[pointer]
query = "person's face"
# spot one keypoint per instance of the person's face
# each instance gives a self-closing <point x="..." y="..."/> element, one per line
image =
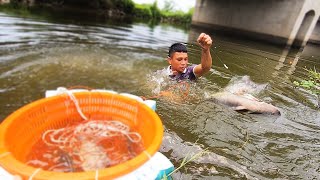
<point x="178" y="61"/>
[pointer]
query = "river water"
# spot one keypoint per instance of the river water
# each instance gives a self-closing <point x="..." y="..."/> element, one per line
<point x="39" y="53"/>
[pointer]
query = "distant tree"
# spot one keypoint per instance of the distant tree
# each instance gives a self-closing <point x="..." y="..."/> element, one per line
<point x="156" y="14"/>
<point x="126" y="6"/>
<point x="168" y="6"/>
<point x="142" y="11"/>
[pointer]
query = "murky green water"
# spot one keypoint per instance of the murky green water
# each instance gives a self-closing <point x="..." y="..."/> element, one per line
<point x="37" y="55"/>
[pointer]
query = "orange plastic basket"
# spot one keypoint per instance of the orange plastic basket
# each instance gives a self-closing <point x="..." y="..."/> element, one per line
<point x="23" y="128"/>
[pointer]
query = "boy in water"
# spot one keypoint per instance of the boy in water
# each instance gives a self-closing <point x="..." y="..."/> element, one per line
<point x="178" y="60"/>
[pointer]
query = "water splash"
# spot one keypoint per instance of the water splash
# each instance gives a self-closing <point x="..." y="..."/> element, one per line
<point x="162" y="86"/>
<point x="244" y="85"/>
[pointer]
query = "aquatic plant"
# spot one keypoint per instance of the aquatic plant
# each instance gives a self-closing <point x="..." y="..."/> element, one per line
<point x="188" y="158"/>
<point x="312" y="84"/>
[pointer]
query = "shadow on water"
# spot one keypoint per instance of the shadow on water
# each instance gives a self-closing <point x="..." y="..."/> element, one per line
<point x="37" y="55"/>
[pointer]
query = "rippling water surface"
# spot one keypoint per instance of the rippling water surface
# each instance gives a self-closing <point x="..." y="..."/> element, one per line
<point x="38" y="54"/>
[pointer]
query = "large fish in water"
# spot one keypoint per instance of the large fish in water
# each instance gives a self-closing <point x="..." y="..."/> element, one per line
<point x="245" y="102"/>
<point x="238" y="95"/>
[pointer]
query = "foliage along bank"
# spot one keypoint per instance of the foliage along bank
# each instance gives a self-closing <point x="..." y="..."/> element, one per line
<point x="126" y="8"/>
<point x="311" y="84"/>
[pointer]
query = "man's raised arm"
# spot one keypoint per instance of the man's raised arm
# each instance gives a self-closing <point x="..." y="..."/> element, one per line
<point x="205" y="42"/>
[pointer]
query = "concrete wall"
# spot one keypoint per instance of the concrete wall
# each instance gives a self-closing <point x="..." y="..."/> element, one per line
<point x="278" y="21"/>
<point x="315" y="36"/>
<point x="305" y="23"/>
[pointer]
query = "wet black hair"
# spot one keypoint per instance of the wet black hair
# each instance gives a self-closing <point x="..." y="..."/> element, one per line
<point x="177" y="47"/>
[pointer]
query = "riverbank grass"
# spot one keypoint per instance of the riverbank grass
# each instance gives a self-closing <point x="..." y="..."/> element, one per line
<point x="312" y="84"/>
